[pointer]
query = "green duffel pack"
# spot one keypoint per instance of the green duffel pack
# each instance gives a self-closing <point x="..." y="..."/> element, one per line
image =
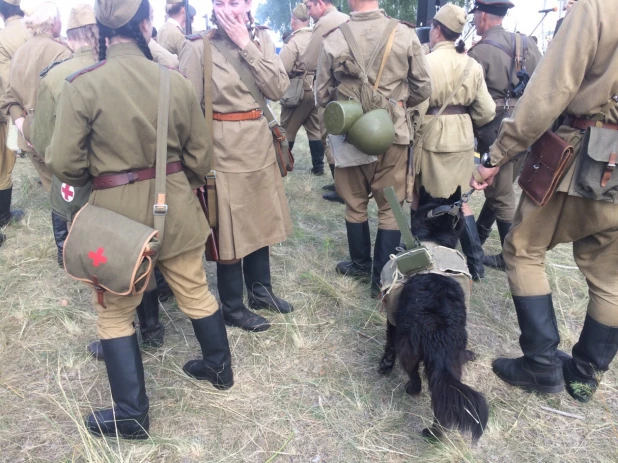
<point x="111" y="252"/>
<point x="595" y="176"/>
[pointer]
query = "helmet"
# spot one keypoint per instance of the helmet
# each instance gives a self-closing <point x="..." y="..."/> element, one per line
<point x="340" y="116"/>
<point x="373" y="133"/>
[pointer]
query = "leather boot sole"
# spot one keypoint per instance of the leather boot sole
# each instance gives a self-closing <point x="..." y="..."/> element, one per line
<point x="252" y="329"/>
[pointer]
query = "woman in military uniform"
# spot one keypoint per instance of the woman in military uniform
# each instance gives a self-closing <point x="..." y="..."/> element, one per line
<point x="446" y="155"/>
<point x="253" y="209"/>
<point x="92" y="138"/>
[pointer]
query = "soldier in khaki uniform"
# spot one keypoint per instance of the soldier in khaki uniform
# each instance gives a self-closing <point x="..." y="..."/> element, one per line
<point x="43" y="19"/>
<point x="252" y="206"/>
<point x="171" y="36"/>
<point x="405" y="80"/>
<point x="496" y="52"/>
<point x="306" y="113"/>
<point x="444" y="149"/>
<point x="12" y="36"/>
<point x="587" y="77"/>
<point x="66" y="200"/>
<point x="326" y="17"/>
<point x="87" y="144"/>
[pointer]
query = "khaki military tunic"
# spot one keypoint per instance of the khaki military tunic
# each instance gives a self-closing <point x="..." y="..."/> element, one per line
<point x="579" y="81"/>
<point x="20" y="98"/>
<point x="171" y="36"/>
<point x="91" y="139"/>
<point x="497" y="68"/>
<point x="405" y="79"/>
<point x="12" y="36"/>
<point x="306" y="113"/>
<point x="253" y="209"/>
<point x="162" y="56"/>
<point x="68" y="202"/>
<point x="446" y="159"/>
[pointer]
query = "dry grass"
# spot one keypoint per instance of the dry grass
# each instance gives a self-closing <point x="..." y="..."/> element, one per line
<point x="307" y="390"/>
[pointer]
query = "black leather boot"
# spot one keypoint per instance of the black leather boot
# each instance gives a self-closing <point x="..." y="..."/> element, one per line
<point x="61" y="231"/>
<point x="333" y="197"/>
<point x="216" y="364"/>
<point x="229" y="283"/>
<point x="484" y="222"/>
<point x="595" y="350"/>
<point x="385" y="245"/>
<point x="96" y="350"/>
<point x="129" y="417"/>
<point x="8" y="216"/>
<point x="472" y="249"/>
<point x="497" y="261"/>
<point x="165" y="292"/>
<point x="330" y="186"/>
<point x="317" y="156"/>
<point x="540" y="369"/>
<point x="290" y="145"/>
<point x="150" y="327"/>
<point x="359" y="244"/>
<point x="2" y="238"/>
<point x="256" y="268"/>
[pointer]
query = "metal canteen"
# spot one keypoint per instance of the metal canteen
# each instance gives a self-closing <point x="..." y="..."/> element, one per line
<point x="340" y="116"/>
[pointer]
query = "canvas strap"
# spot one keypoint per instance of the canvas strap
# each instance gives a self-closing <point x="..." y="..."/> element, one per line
<point x="387" y="53"/>
<point x="208" y="84"/>
<point x="160" y="206"/>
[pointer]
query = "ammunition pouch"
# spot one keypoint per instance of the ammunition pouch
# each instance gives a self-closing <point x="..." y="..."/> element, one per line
<point x="294" y="94"/>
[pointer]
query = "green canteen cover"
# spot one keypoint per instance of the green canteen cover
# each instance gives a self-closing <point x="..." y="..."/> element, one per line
<point x="107" y="249"/>
<point x="340" y="116"/>
<point x="373" y="133"/>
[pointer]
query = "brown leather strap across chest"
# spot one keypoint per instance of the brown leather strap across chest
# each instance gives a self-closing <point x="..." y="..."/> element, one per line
<point x="448" y="111"/>
<point x="236" y="117"/>
<point x="125" y="178"/>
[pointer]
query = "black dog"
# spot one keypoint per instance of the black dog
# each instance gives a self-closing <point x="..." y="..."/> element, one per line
<point x="431" y="327"/>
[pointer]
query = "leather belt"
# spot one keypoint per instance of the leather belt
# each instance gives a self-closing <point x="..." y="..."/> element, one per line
<point x="501" y="102"/>
<point x="583" y="124"/>
<point x="448" y="111"/>
<point x="236" y="117"/>
<point x="114" y="180"/>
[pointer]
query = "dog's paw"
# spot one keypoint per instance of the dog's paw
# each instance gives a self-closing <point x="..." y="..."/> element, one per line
<point x="414" y="387"/>
<point x="469" y="356"/>
<point x="387" y="363"/>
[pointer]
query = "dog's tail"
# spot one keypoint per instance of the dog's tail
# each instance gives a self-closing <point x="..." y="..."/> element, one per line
<point x="455" y="405"/>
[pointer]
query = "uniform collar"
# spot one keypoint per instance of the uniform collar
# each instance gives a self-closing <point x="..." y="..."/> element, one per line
<point x="494" y="30"/>
<point x="82" y="51"/>
<point x="302" y="29"/>
<point x="124" y="49"/>
<point x="174" y="22"/>
<point x="330" y="9"/>
<point x="445" y="44"/>
<point x="367" y="15"/>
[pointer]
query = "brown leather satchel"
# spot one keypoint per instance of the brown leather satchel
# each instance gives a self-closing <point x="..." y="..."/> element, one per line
<point x="549" y="159"/>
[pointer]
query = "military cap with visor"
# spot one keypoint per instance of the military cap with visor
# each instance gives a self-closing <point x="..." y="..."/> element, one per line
<point x="81" y="15"/>
<point x="116" y="13"/>
<point x="496" y="7"/>
<point x="452" y="16"/>
<point x="301" y="12"/>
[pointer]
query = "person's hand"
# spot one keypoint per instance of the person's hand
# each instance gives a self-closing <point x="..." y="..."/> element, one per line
<point x="483" y="177"/>
<point x="236" y="30"/>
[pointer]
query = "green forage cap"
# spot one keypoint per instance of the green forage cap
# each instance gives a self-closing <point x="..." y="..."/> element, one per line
<point x="116" y="13"/>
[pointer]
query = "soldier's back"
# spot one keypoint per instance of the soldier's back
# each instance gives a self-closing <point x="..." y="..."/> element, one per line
<point x="13" y="36"/>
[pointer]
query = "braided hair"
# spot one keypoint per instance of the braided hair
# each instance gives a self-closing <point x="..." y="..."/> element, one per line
<point x="131" y="30"/>
<point x="451" y="36"/>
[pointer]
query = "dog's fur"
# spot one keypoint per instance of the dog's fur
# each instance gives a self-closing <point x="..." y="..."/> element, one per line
<point x="431" y="327"/>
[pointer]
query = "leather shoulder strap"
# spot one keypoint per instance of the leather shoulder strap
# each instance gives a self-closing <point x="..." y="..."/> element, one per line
<point x="160" y="206"/>
<point x="498" y="45"/>
<point x="387" y="53"/>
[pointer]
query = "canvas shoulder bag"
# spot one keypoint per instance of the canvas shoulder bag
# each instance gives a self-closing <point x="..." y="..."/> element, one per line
<point x="110" y="252"/>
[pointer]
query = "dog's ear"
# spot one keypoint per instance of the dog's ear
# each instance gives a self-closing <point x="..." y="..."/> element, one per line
<point x="457" y="195"/>
<point x="423" y="196"/>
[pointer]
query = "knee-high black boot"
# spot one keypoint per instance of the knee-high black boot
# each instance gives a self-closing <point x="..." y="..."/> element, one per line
<point x="129" y="417"/>
<point x="484" y="222"/>
<point x="540" y="369"/>
<point x="150" y="326"/>
<point x="317" y="156"/>
<point x="61" y="231"/>
<point x="471" y="247"/>
<point x="385" y="245"/>
<point x="229" y="283"/>
<point x="8" y="216"/>
<point x="256" y="268"/>
<point x="330" y="186"/>
<point x="359" y="245"/>
<point x="595" y="350"/>
<point x="497" y="261"/>
<point x="216" y="364"/>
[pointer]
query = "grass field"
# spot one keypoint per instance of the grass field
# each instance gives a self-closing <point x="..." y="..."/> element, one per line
<point x="307" y="390"/>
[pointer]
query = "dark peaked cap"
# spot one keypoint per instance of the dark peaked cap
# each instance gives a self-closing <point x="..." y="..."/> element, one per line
<point x="497" y="7"/>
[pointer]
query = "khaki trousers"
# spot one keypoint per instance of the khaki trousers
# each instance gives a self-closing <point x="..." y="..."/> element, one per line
<point x="7" y="158"/>
<point x="355" y="184"/>
<point x="42" y="170"/>
<point x="500" y="195"/>
<point x="592" y="227"/>
<point x="187" y="278"/>
<point x="304" y="115"/>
